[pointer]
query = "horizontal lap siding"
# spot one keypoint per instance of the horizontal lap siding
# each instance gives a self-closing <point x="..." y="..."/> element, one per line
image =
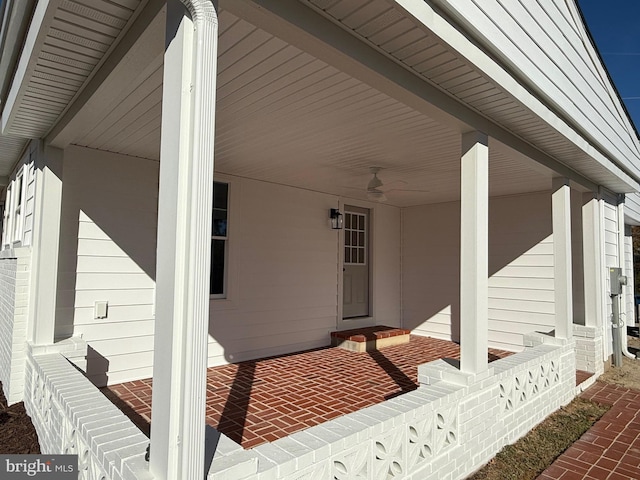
<point x="108" y="254"/>
<point x="521" y="285"/>
<point x="283" y="276"/>
<point x="629" y="289"/>
<point x="632" y="208"/>
<point x="543" y="43"/>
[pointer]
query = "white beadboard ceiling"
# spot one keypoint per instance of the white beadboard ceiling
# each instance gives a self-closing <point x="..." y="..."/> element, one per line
<point x="286" y="117"/>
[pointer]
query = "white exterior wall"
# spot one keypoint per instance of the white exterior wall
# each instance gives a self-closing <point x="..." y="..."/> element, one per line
<point x="107" y="253"/>
<point x="283" y="271"/>
<point x="14" y="304"/>
<point x="521" y="287"/>
<point x="546" y="45"/>
<point x="632" y="208"/>
<point x="629" y="300"/>
<point x="282" y="278"/>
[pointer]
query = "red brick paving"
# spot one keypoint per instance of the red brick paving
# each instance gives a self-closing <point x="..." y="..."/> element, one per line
<point x="260" y="401"/>
<point x="611" y="448"/>
<point x="582" y="376"/>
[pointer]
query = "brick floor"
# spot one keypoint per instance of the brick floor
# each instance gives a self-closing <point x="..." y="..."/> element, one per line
<point x="260" y="401"/>
<point x="611" y="448"/>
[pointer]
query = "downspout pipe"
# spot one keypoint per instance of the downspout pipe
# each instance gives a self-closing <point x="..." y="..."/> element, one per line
<point x="622" y="321"/>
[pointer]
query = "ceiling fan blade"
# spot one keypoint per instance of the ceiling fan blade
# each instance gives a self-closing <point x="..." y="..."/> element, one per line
<point x="391" y="185"/>
<point x="376" y="195"/>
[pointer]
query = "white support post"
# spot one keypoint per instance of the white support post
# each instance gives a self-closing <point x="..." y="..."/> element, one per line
<point x="45" y="243"/>
<point x="592" y="259"/>
<point x="474" y="252"/>
<point x="561" y="220"/>
<point x="184" y="241"/>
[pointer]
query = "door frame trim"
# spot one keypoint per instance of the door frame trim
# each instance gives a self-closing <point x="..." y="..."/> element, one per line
<point x="357" y="322"/>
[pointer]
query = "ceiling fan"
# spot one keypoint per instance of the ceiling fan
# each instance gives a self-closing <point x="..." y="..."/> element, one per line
<point x="376" y="188"/>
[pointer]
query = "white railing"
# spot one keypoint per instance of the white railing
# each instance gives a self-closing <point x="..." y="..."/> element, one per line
<point x="71" y="416"/>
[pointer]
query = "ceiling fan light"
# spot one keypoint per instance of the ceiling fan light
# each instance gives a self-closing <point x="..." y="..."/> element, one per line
<point x="376" y="195"/>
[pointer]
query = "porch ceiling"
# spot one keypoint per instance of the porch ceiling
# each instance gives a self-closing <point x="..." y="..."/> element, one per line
<point x="286" y="117"/>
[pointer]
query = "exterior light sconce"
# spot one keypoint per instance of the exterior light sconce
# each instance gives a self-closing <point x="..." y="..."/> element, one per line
<point x="336" y="219"/>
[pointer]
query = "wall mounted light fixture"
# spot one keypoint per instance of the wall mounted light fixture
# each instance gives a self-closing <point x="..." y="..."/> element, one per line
<point x="336" y="219"/>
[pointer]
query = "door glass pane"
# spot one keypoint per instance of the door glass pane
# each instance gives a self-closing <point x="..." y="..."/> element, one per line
<point x="347" y="255"/>
<point x="361" y="239"/>
<point x="361" y="222"/>
<point x="354" y="239"/>
<point x="347" y="220"/>
<point x="361" y="256"/>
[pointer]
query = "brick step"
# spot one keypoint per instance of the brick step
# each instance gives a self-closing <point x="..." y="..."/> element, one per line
<point x="369" y="338"/>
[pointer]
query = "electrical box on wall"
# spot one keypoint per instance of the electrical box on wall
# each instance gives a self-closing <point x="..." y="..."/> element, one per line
<point x="100" y="309"/>
<point x="617" y="280"/>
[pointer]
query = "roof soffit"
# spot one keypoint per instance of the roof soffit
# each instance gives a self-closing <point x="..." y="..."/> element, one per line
<point x="66" y="44"/>
<point x="412" y="33"/>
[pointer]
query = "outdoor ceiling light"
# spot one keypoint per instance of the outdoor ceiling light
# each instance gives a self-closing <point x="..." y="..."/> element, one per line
<point x="336" y="219"/>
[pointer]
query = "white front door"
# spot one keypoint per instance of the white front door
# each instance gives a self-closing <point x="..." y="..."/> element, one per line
<point x="355" y="283"/>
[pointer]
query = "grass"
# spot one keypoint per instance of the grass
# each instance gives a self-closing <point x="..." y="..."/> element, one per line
<point x="533" y="453"/>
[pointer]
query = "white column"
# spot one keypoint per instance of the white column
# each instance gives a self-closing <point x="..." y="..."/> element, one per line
<point x="561" y="219"/>
<point x="45" y="243"/>
<point x="592" y="259"/>
<point x="474" y="252"/>
<point x="184" y="241"/>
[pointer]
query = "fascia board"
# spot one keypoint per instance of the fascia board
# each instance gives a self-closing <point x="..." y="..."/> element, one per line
<point x="432" y="20"/>
<point x="36" y="35"/>
<point x="15" y="22"/>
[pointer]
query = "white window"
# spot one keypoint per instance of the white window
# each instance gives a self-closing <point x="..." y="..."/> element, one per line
<point x="219" y="240"/>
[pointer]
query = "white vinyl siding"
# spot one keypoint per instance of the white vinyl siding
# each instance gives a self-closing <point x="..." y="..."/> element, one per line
<point x="630" y="314"/>
<point x="521" y="278"/>
<point x="545" y="45"/>
<point x="632" y="208"/>
<point x="107" y="253"/>
<point x="283" y="272"/>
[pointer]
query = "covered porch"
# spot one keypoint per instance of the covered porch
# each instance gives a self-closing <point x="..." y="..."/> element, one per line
<point x="492" y="227"/>
<point x="260" y="401"/>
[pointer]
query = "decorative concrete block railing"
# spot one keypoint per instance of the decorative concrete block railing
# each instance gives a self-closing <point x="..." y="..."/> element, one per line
<point x="14" y="304"/>
<point x="71" y="416"/>
<point x="589" y="349"/>
<point x="447" y="428"/>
